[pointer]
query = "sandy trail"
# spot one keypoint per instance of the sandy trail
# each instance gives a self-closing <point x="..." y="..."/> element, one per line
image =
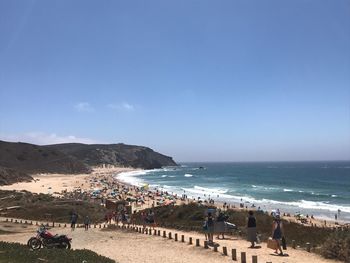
<point x="126" y="246"/>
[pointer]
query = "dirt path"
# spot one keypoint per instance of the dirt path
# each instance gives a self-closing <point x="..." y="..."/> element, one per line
<point x="126" y="246"/>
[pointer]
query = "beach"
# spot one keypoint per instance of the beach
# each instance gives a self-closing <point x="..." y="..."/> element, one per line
<point x="56" y="183"/>
<point x="144" y="248"/>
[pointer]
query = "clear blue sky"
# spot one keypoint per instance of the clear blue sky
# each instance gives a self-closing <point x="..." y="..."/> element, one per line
<point x="197" y="80"/>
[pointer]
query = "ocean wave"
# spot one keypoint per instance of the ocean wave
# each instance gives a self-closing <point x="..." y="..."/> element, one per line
<point x="164" y="175"/>
<point x="201" y="191"/>
<point x="288" y="190"/>
<point x="188" y="175"/>
<point x="212" y="190"/>
<point x="132" y="177"/>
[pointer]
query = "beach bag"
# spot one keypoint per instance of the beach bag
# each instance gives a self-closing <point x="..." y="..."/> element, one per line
<point x="271" y="243"/>
<point x="284" y="243"/>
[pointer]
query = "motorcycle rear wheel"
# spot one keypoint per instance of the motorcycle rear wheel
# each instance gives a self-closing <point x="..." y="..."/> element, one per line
<point x="65" y="245"/>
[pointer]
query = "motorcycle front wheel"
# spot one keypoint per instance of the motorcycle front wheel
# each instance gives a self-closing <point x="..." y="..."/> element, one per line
<point x="30" y="240"/>
<point x="34" y="243"/>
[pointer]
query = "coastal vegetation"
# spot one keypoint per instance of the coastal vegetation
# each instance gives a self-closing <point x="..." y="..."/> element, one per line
<point x="30" y="206"/>
<point x="17" y="253"/>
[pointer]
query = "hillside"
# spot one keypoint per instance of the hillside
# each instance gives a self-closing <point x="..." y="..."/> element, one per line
<point x="115" y="154"/>
<point x="19" y="160"/>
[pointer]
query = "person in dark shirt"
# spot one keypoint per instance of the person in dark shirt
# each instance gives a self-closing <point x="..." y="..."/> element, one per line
<point x="251" y="229"/>
<point x="210" y="225"/>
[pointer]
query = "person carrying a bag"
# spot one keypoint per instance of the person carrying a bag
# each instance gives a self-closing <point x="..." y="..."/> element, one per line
<point x="277" y="233"/>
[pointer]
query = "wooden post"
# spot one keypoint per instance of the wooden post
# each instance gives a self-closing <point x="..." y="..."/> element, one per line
<point x="254" y="259"/>
<point x="182" y="238"/>
<point x="224" y="250"/>
<point x="234" y="254"/>
<point x="293" y="244"/>
<point x="158" y="232"/>
<point x="169" y="235"/>
<point x="197" y="242"/>
<point x="164" y="234"/>
<point x="150" y="232"/>
<point x="59" y="225"/>
<point x="7" y="219"/>
<point x="65" y="225"/>
<point x="206" y="244"/>
<point x="175" y="236"/>
<point x="146" y="231"/>
<point x="25" y="222"/>
<point x="215" y="248"/>
<point x="11" y="219"/>
<point x="154" y="232"/>
<point x="243" y="257"/>
<point x="53" y="224"/>
<point x="21" y="222"/>
<point x="100" y="226"/>
<point x="308" y="247"/>
<point x="190" y="241"/>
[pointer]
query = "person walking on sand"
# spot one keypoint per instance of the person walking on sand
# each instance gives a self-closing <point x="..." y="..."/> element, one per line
<point x="251" y="229"/>
<point x="277" y="233"/>
<point x="86" y="222"/>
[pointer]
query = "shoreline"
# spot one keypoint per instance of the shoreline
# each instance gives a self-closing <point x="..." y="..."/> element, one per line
<point x="288" y="215"/>
<point x="57" y="184"/>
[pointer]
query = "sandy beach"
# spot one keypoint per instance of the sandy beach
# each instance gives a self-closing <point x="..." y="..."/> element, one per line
<point x="56" y="183"/>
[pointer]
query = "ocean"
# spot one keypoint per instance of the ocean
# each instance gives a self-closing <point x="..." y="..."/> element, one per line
<point x="313" y="188"/>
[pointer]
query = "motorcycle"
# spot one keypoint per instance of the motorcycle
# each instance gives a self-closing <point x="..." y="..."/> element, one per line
<point x="45" y="239"/>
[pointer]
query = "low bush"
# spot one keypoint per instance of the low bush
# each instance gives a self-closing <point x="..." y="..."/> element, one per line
<point x="337" y="246"/>
<point x="17" y="253"/>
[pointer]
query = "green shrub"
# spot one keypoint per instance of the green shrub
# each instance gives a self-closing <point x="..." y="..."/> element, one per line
<point x="17" y="253"/>
<point x="337" y="246"/>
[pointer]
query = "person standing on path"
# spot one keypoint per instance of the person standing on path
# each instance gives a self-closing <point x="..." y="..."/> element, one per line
<point x="277" y="233"/>
<point x="87" y="223"/>
<point x="251" y="229"/>
<point x="210" y="224"/>
<point x="74" y="219"/>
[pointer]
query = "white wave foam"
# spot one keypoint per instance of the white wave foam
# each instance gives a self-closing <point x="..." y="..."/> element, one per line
<point x="133" y="176"/>
<point x="164" y="175"/>
<point x="215" y="190"/>
<point x="188" y="175"/>
<point x="288" y="190"/>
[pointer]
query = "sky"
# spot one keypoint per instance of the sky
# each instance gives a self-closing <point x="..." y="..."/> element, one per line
<point x="199" y="80"/>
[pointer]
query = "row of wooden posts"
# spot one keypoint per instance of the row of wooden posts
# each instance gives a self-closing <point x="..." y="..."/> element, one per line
<point x="158" y="233"/>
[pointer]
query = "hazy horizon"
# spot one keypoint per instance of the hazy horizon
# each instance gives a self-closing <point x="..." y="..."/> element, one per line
<point x="195" y="80"/>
